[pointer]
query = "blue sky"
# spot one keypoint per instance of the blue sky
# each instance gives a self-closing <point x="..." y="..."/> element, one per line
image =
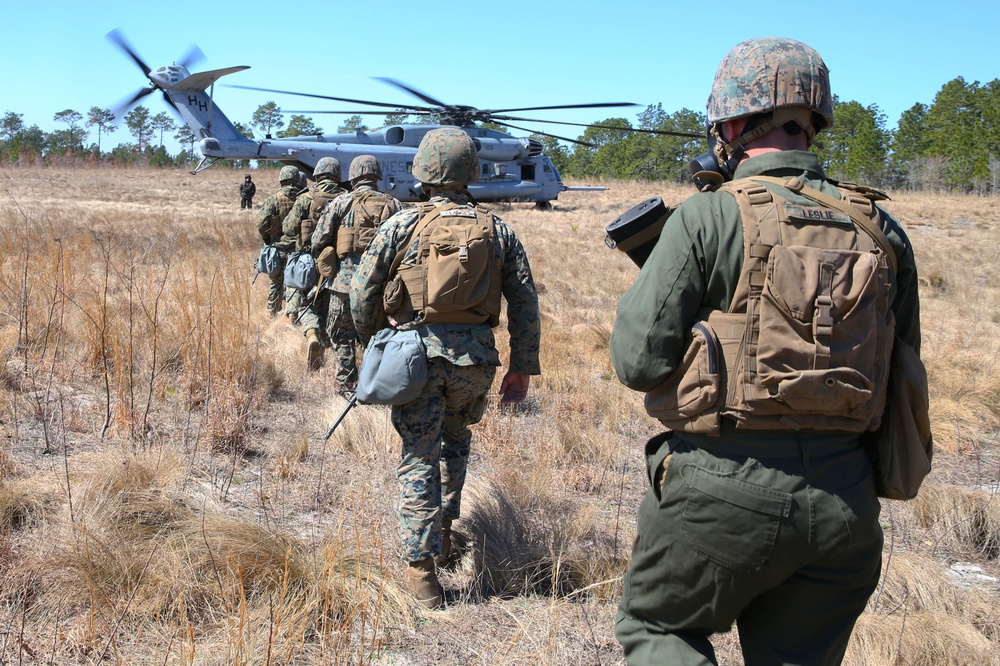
<point x="490" y="55"/>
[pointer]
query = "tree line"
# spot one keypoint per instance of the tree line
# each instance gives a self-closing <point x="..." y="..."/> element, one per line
<point x="952" y="144"/>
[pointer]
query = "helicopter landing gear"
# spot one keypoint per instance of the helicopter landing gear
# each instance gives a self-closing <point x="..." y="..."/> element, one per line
<point x="543" y="205"/>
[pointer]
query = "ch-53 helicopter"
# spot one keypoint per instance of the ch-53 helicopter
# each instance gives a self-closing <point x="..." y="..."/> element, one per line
<point x="513" y="169"/>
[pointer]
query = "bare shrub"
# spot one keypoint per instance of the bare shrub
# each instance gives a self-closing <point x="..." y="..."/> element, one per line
<point x="961" y="518"/>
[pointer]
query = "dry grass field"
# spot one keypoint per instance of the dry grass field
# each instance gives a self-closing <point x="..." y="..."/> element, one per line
<point x="166" y="496"/>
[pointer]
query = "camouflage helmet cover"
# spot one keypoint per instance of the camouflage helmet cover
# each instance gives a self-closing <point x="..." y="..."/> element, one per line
<point x="761" y="75"/>
<point x="288" y="173"/>
<point x="365" y="166"/>
<point x="327" y="166"/>
<point x="446" y="156"/>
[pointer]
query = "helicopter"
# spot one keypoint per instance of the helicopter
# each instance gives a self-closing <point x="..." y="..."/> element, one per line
<point x="513" y="168"/>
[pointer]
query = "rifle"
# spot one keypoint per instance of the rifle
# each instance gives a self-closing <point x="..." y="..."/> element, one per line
<point x="350" y="405"/>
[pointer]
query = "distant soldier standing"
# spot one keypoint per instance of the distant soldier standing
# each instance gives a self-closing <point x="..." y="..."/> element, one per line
<point x="344" y="231"/>
<point x="461" y="351"/>
<point x="247" y="190"/>
<point x="298" y="229"/>
<point x="269" y="220"/>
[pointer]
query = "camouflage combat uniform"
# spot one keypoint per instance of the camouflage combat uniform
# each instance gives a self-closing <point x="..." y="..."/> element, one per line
<point x="462" y="361"/>
<point x="339" y="323"/>
<point x="325" y="191"/>
<point x="269" y="220"/>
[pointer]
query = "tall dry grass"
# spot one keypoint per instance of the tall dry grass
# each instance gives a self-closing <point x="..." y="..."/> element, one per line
<point x="166" y="495"/>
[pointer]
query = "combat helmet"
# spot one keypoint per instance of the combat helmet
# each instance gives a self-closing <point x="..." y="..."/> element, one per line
<point x="327" y="166"/>
<point x="446" y="156"/>
<point x="773" y="74"/>
<point x="365" y="166"/>
<point x="289" y="174"/>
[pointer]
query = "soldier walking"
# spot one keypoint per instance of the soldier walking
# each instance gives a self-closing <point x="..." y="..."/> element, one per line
<point x="760" y="328"/>
<point x="269" y="220"/>
<point x="297" y="230"/>
<point x="461" y="352"/>
<point x="343" y="233"/>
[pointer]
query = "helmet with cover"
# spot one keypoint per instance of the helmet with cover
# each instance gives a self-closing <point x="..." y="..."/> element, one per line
<point x="773" y="75"/>
<point x="446" y="156"/>
<point x="365" y="167"/>
<point x="327" y="166"/>
<point x="288" y="174"/>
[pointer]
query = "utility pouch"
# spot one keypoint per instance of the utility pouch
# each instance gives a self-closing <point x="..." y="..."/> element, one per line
<point x="393" y="369"/>
<point x="300" y="271"/>
<point x="269" y="261"/>
<point x="327" y="263"/>
<point x="689" y="399"/>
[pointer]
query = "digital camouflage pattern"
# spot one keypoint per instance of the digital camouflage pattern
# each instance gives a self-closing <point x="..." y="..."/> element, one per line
<point x="329" y="167"/>
<point x="269" y="220"/>
<point x="365" y="166"/>
<point x="339" y="323"/>
<point x="436" y="446"/>
<point x="340" y="213"/>
<point x="446" y="156"/>
<point x="471" y="344"/>
<point x="326" y="189"/>
<point x="288" y="173"/>
<point x="461" y="364"/>
<point x="761" y="75"/>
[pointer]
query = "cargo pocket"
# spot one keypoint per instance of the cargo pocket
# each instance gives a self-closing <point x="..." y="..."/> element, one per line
<point x="729" y="521"/>
<point x="693" y="388"/>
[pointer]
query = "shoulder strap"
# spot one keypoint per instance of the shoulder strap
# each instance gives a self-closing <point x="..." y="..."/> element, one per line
<point x="865" y="224"/>
<point x="423" y="219"/>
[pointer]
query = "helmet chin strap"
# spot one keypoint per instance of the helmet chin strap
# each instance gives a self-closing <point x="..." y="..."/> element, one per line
<point x="729" y="153"/>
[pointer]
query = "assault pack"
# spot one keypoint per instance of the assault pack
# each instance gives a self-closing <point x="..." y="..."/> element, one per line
<point x="455" y="277"/>
<point x="368" y="210"/>
<point x="300" y="271"/>
<point x="285" y="204"/>
<point x="807" y="338"/>
<point x="320" y="198"/>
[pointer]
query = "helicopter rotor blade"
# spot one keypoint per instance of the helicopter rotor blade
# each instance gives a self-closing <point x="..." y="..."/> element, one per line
<point x="687" y="135"/>
<point x="335" y="99"/>
<point x="116" y="37"/>
<point x="554" y="136"/>
<point x="595" y="105"/>
<point x="193" y="56"/>
<point x="413" y="91"/>
<point x="350" y="113"/>
<point x="121" y="108"/>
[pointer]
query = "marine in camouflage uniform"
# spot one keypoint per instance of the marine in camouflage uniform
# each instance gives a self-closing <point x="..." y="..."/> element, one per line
<point x="332" y="231"/>
<point x="461" y="361"/>
<point x="297" y="232"/>
<point x="247" y="190"/>
<point x="269" y="220"/>
<point x="775" y="530"/>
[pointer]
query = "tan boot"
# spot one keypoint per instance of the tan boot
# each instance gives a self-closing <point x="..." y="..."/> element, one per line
<point x="314" y="354"/>
<point x="421" y="579"/>
<point x="449" y="554"/>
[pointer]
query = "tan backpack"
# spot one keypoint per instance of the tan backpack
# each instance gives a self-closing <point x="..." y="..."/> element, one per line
<point x="455" y="277"/>
<point x="285" y="204"/>
<point x="369" y="210"/>
<point x="807" y="338"/>
<point x="320" y="198"/>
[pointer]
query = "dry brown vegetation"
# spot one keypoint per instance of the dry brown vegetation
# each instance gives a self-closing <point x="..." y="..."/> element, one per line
<point x="166" y="496"/>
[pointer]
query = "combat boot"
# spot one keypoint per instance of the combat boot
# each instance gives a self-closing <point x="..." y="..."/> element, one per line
<point x="449" y="553"/>
<point x="314" y="354"/>
<point x="421" y="580"/>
